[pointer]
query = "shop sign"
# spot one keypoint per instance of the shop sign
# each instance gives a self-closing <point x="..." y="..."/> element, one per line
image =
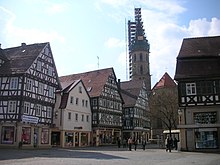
<point x="77" y="127"/>
<point x="30" y="119"/>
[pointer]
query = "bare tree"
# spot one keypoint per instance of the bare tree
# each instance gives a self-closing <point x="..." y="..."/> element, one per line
<point x="164" y="106"/>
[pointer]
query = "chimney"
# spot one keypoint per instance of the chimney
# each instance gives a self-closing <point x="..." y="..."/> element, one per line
<point x="119" y="84"/>
<point x="23" y="44"/>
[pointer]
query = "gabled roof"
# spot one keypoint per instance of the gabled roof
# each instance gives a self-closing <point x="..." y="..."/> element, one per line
<point x="94" y="81"/>
<point x="130" y="91"/>
<point x="165" y="82"/>
<point x="20" y="58"/>
<point x="199" y="58"/>
<point x="66" y="88"/>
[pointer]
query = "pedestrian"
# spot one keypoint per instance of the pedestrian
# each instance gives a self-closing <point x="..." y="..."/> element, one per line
<point x="167" y="143"/>
<point x="119" y="143"/>
<point x="135" y="145"/>
<point x="175" y="143"/>
<point x="129" y="143"/>
<point x="143" y="144"/>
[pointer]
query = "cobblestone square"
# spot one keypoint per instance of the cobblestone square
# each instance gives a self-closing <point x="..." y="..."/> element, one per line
<point x="105" y="155"/>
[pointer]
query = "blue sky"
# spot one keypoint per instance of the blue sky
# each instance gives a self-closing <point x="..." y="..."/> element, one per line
<point x="81" y="31"/>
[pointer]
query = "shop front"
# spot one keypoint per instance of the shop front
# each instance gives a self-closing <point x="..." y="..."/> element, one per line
<point x="24" y="135"/>
<point x="75" y="139"/>
<point x="106" y="136"/>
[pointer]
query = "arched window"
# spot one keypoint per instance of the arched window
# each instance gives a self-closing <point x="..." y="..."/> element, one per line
<point x="134" y="57"/>
<point x="141" y="58"/>
<point x="141" y="69"/>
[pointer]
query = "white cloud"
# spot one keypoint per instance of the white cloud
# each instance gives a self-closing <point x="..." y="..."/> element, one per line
<point x="15" y="35"/>
<point x="114" y="42"/>
<point x="203" y="27"/>
<point x="56" y="8"/>
<point x="115" y="3"/>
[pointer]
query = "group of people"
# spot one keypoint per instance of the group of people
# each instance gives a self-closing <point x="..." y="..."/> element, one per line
<point x="170" y="143"/>
<point x="131" y="142"/>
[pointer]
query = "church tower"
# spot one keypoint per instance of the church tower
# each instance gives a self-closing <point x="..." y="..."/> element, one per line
<point x="139" y="48"/>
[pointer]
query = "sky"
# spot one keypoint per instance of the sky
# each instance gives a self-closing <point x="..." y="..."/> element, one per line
<point x="88" y="35"/>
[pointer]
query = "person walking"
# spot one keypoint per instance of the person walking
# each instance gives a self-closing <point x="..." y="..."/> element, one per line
<point x="143" y="144"/>
<point x="167" y="143"/>
<point x="175" y="143"/>
<point x="119" y="143"/>
<point x="129" y="143"/>
<point x="135" y="145"/>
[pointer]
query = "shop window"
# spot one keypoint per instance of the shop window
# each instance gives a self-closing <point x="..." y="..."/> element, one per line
<point x="26" y="135"/>
<point x="7" y="135"/>
<point x="206" y="138"/>
<point x="45" y="136"/>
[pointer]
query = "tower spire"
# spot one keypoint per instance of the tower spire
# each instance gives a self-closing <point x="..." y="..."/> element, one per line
<point x="139" y="49"/>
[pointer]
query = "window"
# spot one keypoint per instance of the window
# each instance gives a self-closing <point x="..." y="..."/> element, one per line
<point x="7" y="135"/>
<point x="26" y="135"/>
<point x="134" y="58"/>
<point x="205" y="87"/>
<point x="206" y="138"/>
<point x="80" y="89"/>
<point x="71" y="100"/>
<point x="190" y="88"/>
<point x="69" y="115"/>
<point x="94" y="102"/>
<point x="205" y="117"/>
<point x="50" y="70"/>
<point x="76" y="117"/>
<point x="12" y="106"/>
<point x="45" y="136"/>
<point x="87" y="118"/>
<point x="77" y="101"/>
<point x="50" y="91"/>
<point x="83" y="102"/>
<point x="82" y="117"/>
<point x="14" y="83"/>
<point x="38" y="110"/>
<point x="141" y="69"/>
<point x="40" y="88"/>
<point x="86" y="103"/>
<point x="141" y="57"/>
<point x="26" y="108"/>
<point x="29" y="85"/>
<point x="39" y="65"/>
<point x="49" y="112"/>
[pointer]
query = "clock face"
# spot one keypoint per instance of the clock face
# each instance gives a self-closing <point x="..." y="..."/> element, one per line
<point x="140" y="37"/>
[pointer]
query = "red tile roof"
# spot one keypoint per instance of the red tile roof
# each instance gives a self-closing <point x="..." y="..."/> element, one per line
<point x="94" y="81"/>
<point x="130" y="91"/>
<point x="165" y="82"/>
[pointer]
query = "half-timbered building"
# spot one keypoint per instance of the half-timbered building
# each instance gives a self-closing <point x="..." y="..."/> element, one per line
<point x="28" y="80"/>
<point x="198" y="76"/>
<point x="106" y="104"/>
<point x="73" y="117"/>
<point x="136" y="119"/>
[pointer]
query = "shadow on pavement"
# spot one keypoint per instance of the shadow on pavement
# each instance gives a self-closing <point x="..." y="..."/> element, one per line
<point x="6" y="154"/>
